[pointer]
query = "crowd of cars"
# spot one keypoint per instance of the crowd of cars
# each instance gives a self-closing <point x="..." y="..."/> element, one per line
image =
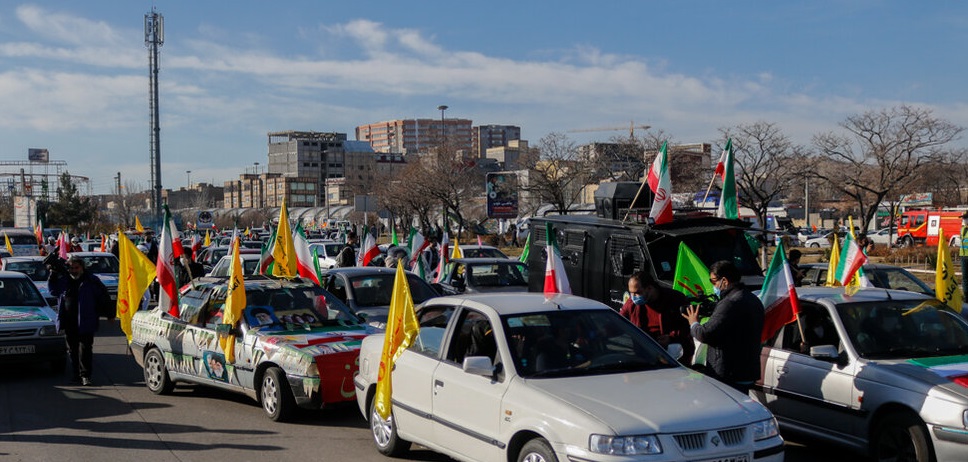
<point x="883" y="372"/>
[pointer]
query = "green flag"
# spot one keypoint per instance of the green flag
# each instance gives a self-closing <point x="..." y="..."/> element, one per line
<point x="727" y="198"/>
<point x="692" y="276"/>
<point x="393" y="234"/>
<point x="527" y="249"/>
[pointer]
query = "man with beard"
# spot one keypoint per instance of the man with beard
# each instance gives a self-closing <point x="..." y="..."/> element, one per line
<point x="79" y="294"/>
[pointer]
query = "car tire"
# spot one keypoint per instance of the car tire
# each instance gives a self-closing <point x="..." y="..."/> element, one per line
<point x="537" y="450"/>
<point x="384" y="433"/>
<point x="156" y="373"/>
<point x="901" y="437"/>
<point x="276" y="396"/>
<point x="814" y="245"/>
<point x="907" y="241"/>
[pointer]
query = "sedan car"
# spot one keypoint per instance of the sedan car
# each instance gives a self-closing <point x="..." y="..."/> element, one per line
<point x="35" y="269"/>
<point x="885" y="237"/>
<point x="882" y="372"/>
<point x="880" y="275"/>
<point x="326" y="252"/>
<point x="28" y="333"/>
<point x="105" y="266"/>
<point x="481" y="251"/>
<point x="296" y="345"/>
<point x="822" y="241"/>
<point x="249" y="260"/>
<point x="367" y="290"/>
<point x="476" y="275"/>
<point x="520" y="377"/>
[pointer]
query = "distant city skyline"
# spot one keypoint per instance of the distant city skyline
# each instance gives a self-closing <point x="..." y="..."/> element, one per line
<point x="73" y="75"/>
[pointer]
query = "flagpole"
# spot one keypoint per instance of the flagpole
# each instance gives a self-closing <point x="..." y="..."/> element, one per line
<point x="711" y="181"/>
<point x="634" y="200"/>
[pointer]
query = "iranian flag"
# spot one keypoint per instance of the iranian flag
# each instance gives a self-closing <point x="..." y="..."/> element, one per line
<point x="727" y="198"/>
<point x="165" y="269"/>
<point x="417" y="245"/>
<point x="851" y="259"/>
<point x="556" y="281"/>
<point x="779" y="295"/>
<point x="661" y="186"/>
<point x="368" y="251"/>
<point x="442" y="264"/>
<point x="196" y="246"/>
<point x="305" y="261"/>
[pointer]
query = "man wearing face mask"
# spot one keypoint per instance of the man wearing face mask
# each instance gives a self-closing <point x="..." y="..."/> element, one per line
<point x="655" y="310"/>
<point x="733" y="331"/>
<point x="79" y="294"/>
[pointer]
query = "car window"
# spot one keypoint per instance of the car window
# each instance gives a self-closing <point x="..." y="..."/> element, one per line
<point x="433" y="324"/>
<point x="473" y="336"/>
<point x="193" y="307"/>
<point x="817" y="329"/>
<point x="102" y="264"/>
<point x="497" y="275"/>
<point x="19" y="292"/>
<point x="895" y="278"/>
<point x="903" y="329"/>
<point x="35" y="270"/>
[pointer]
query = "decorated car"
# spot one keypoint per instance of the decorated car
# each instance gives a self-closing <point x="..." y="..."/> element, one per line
<point x="27" y="325"/>
<point x="296" y="346"/>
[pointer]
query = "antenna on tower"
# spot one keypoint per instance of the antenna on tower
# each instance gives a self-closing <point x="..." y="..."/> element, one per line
<point x="154" y="39"/>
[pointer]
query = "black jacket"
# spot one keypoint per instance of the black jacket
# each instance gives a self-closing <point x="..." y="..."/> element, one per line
<point x="733" y="336"/>
<point x="346" y="257"/>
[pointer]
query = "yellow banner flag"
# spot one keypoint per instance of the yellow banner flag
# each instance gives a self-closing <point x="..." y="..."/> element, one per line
<point x="456" y="253"/>
<point x="946" y="287"/>
<point x="208" y="239"/>
<point x="6" y="241"/>
<point x="137" y="225"/>
<point x="284" y="250"/>
<point x="832" y="266"/>
<point x="402" y="328"/>
<point x="234" y="302"/>
<point x="136" y="273"/>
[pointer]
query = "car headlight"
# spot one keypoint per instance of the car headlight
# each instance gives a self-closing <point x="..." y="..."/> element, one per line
<point x="48" y="330"/>
<point x="764" y="429"/>
<point x="625" y="445"/>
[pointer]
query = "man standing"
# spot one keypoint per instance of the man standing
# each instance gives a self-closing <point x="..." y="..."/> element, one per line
<point x="347" y="256"/>
<point x="79" y="294"/>
<point x="655" y="310"/>
<point x="733" y="331"/>
<point x="963" y="253"/>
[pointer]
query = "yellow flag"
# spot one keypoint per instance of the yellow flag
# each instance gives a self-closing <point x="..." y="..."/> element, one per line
<point x="136" y="273"/>
<point x="6" y="241"/>
<point x="284" y="250"/>
<point x="946" y="287"/>
<point x="832" y="266"/>
<point x="234" y="302"/>
<point x="208" y="239"/>
<point x="401" y="329"/>
<point x="137" y="225"/>
<point x="457" y="252"/>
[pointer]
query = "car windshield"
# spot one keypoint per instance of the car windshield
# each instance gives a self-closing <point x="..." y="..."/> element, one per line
<point x="101" y="264"/>
<point x="295" y="308"/>
<point x="481" y="252"/>
<point x="326" y="250"/>
<point x="500" y="274"/>
<point x="554" y="344"/>
<point x="897" y="278"/>
<point x="19" y="292"/>
<point x="376" y="289"/>
<point x="904" y="329"/>
<point x="34" y="269"/>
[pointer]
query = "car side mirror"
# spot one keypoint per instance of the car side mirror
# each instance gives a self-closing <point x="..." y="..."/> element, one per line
<point x="826" y="353"/>
<point x="675" y="350"/>
<point x="479" y="365"/>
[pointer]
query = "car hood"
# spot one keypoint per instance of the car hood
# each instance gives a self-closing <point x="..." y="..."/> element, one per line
<point x="664" y="401"/>
<point x="937" y="373"/>
<point x="109" y="279"/>
<point x="319" y="341"/>
<point x="26" y="316"/>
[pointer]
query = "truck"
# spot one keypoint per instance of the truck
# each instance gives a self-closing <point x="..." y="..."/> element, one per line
<point x="600" y="252"/>
<point x="921" y="227"/>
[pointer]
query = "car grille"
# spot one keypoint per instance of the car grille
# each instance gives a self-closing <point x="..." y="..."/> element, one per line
<point x="14" y="333"/>
<point x="696" y="441"/>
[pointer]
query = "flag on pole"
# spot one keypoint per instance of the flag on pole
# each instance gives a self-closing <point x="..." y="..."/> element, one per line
<point x="234" y="302"/>
<point x="832" y="264"/>
<point x="137" y="225"/>
<point x="457" y="252"/>
<point x="417" y="246"/>
<point x="851" y="259"/>
<point x="284" y="250"/>
<point x="265" y="257"/>
<point x="39" y="232"/>
<point x="6" y="242"/>
<point x="165" y="269"/>
<point x="556" y="280"/>
<point x="196" y="246"/>
<point x="104" y="242"/>
<point x="208" y="238"/>
<point x="369" y="251"/>
<point x="527" y="250"/>
<point x="393" y="234"/>
<point x="691" y="276"/>
<point x="63" y="244"/>
<point x="444" y="257"/>
<point x="136" y="274"/>
<point x="728" y="208"/>
<point x="946" y="287"/>
<point x="305" y="265"/>
<point x="661" y="185"/>
<point x="779" y="295"/>
<point x="402" y="328"/>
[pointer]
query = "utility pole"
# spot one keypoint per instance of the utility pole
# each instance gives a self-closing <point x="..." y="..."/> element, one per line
<point x="154" y="38"/>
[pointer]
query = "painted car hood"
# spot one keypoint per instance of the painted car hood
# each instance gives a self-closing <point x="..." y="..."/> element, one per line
<point x="319" y="341"/>
<point x="932" y="372"/>
<point x="29" y="315"/>
<point x="664" y="401"/>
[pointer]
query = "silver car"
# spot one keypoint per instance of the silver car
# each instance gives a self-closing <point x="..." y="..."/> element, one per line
<point x="882" y="372"/>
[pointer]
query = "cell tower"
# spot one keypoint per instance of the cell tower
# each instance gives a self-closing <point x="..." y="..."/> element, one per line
<point x="154" y="39"/>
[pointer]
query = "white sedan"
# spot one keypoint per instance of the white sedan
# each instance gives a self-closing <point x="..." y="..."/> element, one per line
<point x="522" y="377"/>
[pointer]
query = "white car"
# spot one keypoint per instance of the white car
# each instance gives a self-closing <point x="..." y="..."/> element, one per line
<point x="521" y="377"/>
<point x="249" y="261"/>
<point x="326" y="252"/>
<point x="819" y="242"/>
<point x="885" y="237"/>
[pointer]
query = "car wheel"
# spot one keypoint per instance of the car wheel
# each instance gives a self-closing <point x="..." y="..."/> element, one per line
<point x="385" y="433"/>
<point x="276" y="396"/>
<point x="901" y="437"/>
<point x="814" y="245"/>
<point x="908" y="241"/>
<point x="156" y="374"/>
<point x="537" y="450"/>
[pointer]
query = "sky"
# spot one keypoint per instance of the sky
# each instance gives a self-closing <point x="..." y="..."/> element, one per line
<point x="74" y="75"/>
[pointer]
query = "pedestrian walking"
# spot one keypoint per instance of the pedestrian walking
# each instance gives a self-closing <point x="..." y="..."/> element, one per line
<point x="79" y="295"/>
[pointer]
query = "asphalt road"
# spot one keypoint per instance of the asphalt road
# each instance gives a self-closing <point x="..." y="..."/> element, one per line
<point x="42" y="418"/>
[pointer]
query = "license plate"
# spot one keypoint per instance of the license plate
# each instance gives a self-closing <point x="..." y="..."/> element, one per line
<point x="739" y="458"/>
<point x="16" y="350"/>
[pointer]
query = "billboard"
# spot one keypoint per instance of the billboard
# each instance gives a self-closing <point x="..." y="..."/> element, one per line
<point x="38" y="155"/>
<point x="502" y="195"/>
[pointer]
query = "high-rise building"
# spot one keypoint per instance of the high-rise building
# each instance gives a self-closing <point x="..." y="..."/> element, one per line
<point x="484" y="137"/>
<point x="411" y="136"/>
<point x="311" y="155"/>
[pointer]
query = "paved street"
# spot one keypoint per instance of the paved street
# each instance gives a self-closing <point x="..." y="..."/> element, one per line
<point x="42" y="418"/>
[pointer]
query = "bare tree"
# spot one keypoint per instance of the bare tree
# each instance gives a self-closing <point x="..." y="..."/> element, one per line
<point x="881" y="152"/>
<point x="557" y="173"/>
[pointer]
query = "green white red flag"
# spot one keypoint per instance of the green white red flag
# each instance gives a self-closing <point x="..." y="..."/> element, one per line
<point x="661" y="186"/>
<point x="728" y="207"/>
<point x="165" y="269"/>
<point x="556" y="280"/>
<point x="779" y="295"/>
<point x="368" y="251"/>
<point x="305" y="260"/>
<point x="851" y="259"/>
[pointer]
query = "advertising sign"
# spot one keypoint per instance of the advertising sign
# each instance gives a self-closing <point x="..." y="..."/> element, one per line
<point x="502" y="195"/>
<point x="38" y="155"/>
<point x="204" y="219"/>
<point x="924" y="199"/>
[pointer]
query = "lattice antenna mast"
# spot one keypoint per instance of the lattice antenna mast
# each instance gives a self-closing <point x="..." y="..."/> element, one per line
<point x="154" y="39"/>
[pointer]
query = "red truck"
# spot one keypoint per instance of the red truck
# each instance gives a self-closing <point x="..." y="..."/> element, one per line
<point x="922" y="227"/>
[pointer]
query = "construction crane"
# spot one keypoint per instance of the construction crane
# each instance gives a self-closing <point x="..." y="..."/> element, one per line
<point x="631" y="128"/>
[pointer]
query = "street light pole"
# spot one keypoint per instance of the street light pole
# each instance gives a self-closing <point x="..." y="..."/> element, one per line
<point x="189" y="173"/>
<point x="442" y="108"/>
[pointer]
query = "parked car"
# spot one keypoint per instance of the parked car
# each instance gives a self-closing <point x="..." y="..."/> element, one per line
<point x="822" y="241"/>
<point x="28" y="333"/>
<point x="326" y="251"/>
<point x="35" y="269"/>
<point x="519" y="377"/>
<point x="105" y="266"/>
<point x="476" y="275"/>
<point x="296" y="345"/>
<point x="880" y="275"/>
<point x="882" y="372"/>
<point x="249" y="260"/>
<point x="367" y="289"/>
<point x="210" y="256"/>
<point x="481" y="251"/>
<point x="885" y="237"/>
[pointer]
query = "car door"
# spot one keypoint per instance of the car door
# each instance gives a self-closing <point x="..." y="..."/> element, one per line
<point x="809" y="391"/>
<point x="467" y="407"/>
<point x="200" y="343"/>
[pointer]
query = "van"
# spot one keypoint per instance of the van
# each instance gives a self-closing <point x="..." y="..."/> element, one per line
<point x="22" y="241"/>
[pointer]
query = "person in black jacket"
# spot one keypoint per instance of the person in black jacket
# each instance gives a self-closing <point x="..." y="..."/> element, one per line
<point x="733" y="331"/>
<point x="347" y="256"/>
<point x="79" y="294"/>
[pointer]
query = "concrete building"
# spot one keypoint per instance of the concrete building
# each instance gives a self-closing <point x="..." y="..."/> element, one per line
<point x="411" y="136"/>
<point x="509" y="156"/>
<point x="305" y="156"/>
<point x="200" y="195"/>
<point x="484" y="137"/>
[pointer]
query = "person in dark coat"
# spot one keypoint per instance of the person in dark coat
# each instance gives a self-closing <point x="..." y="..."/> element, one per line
<point x="656" y="310"/>
<point x="733" y="331"/>
<point x="347" y="256"/>
<point x="79" y="294"/>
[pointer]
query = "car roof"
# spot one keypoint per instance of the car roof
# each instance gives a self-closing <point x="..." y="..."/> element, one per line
<point x="24" y="258"/>
<point x="520" y="303"/>
<point x="252" y="282"/>
<point x="484" y="260"/>
<point x="12" y="274"/>
<point x="358" y="270"/>
<point x="244" y="256"/>
<point x="91" y="254"/>
<point x="838" y="295"/>
<point x="871" y="266"/>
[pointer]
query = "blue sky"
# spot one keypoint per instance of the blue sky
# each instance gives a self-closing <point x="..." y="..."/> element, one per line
<point x="73" y="75"/>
